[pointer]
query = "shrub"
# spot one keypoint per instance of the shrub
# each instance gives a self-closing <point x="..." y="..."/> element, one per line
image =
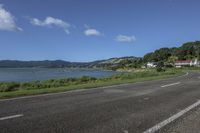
<point x="5" y="87"/>
<point x="160" y="69"/>
<point x="85" y="79"/>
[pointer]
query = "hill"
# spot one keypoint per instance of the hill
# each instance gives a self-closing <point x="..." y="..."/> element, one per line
<point x="189" y="50"/>
<point x="109" y="63"/>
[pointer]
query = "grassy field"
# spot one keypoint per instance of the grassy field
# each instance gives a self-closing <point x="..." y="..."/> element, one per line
<point x="8" y="90"/>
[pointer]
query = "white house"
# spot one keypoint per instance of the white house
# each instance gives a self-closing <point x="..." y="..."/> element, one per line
<point x="151" y="64"/>
<point x="180" y="63"/>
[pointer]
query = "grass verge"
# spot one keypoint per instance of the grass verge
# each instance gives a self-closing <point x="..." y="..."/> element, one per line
<point x="10" y="90"/>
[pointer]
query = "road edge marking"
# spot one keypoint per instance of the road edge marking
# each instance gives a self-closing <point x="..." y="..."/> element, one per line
<point x="11" y="117"/>
<point x="172" y="118"/>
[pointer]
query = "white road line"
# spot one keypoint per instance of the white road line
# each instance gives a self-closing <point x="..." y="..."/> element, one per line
<point x="11" y="117"/>
<point x="171" y="84"/>
<point x="172" y="118"/>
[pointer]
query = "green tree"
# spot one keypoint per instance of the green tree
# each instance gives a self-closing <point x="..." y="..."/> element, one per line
<point x="160" y="66"/>
<point x="149" y="57"/>
<point x="172" y="59"/>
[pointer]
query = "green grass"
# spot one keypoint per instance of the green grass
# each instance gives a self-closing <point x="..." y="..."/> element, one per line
<point x="8" y="90"/>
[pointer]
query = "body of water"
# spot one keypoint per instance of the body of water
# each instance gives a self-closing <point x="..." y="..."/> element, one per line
<point x="32" y="74"/>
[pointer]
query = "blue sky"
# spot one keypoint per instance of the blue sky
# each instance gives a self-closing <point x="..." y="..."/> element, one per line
<point x="77" y="30"/>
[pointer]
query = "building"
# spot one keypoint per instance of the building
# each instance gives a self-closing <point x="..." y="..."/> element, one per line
<point x="180" y="63"/>
<point x="151" y="64"/>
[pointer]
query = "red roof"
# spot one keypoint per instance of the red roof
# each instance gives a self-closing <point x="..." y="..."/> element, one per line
<point x="183" y="61"/>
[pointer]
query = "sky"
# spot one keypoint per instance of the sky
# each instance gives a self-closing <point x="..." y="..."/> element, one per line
<point x="88" y="30"/>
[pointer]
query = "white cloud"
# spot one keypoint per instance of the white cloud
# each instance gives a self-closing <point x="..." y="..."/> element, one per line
<point x="124" y="38"/>
<point x="7" y="21"/>
<point x="50" y="22"/>
<point x="92" y="32"/>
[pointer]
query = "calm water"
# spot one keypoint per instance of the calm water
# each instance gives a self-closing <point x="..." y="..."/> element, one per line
<point x="31" y="74"/>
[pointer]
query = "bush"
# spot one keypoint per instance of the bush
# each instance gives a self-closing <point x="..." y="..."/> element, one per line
<point x="5" y="87"/>
<point x="85" y="79"/>
<point x="160" y="69"/>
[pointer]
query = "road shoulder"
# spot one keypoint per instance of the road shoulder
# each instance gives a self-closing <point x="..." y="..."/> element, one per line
<point x="189" y="123"/>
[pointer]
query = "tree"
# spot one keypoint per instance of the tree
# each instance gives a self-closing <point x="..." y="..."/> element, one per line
<point x="159" y="55"/>
<point x="162" y="54"/>
<point x="172" y="59"/>
<point x="160" y="66"/>
<point x="148" y="57"/>
<point x="188" y="50"/>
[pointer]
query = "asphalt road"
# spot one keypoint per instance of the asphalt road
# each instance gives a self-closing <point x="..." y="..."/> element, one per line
<point x="189" y="123"/>
<point x="132" y="108"/>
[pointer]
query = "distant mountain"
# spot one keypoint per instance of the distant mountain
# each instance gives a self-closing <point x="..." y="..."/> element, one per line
<point x="61" y="64"/>
<point x="118" y="60"/>
<point x="46" y="63"/>
<point x="116" y="63"/>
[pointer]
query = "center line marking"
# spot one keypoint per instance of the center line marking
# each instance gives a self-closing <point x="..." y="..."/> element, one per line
<point x="172" y="118"/>
<point x="171" y="84"/>
<point x="11" y="117"/>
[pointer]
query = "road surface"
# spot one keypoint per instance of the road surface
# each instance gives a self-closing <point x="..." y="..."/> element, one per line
<point x="170" y="105"/>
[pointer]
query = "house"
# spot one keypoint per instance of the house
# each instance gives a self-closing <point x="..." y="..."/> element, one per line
<point x="151" y="64"/>
<point x="180" y="63"/>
